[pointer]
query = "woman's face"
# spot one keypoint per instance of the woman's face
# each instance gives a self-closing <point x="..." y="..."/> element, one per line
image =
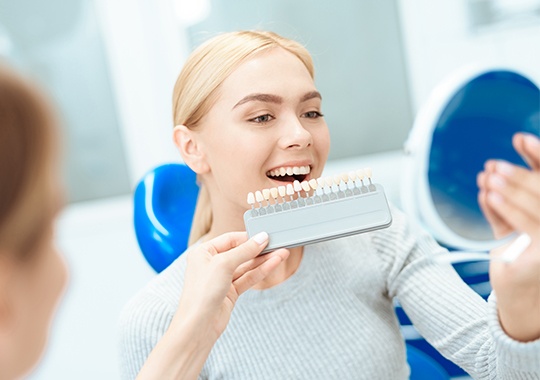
<point x="267" y="120"/>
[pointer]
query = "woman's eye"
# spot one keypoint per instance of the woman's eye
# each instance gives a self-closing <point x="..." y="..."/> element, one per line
<point x="313" y="114"/>
<point x="262" y="119"/>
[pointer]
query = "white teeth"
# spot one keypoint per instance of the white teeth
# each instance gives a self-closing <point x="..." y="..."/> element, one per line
<point x="297" y="186"/>
<point x="295" y="170"/>
<point x="282" y="191"/>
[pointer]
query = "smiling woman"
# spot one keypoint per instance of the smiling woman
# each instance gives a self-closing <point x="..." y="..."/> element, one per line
<point x="248" y="116"/>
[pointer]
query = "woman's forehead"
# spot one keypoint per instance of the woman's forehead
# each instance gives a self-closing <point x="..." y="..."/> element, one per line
<point x="274" y="73"/>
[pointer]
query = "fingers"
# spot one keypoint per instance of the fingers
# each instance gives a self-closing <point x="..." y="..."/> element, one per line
<point x="510" y="195"/>
<point x="253" y="276"/>
<point x="245" y="251"/>
<point x="528" y="146"/>
<point x="498" y="225"/>
<point x="224" y="242"/>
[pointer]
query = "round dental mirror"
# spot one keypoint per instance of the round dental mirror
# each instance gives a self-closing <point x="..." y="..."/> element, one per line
<point x="469" y="118"/>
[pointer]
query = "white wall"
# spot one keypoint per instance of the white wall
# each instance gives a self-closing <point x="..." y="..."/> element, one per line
<point x="146" y="49"/>
<point x="438" y="39"/>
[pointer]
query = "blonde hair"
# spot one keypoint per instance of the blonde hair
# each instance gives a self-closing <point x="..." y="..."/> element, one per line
<point x="27" y="142"/>
<point x="197" y="88"/>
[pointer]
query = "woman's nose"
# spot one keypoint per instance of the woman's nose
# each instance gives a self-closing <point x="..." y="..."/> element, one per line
<point x="295" y="135"/>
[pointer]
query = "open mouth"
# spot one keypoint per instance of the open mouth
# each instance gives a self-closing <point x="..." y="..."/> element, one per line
<point x="289" y="174"/>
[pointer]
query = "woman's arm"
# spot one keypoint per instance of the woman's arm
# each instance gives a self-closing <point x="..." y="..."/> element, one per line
<point x="510" y="198"/>
<point x="217" y="273"/>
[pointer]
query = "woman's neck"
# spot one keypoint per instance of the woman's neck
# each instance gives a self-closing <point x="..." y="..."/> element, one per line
<point x="285" y="270"/>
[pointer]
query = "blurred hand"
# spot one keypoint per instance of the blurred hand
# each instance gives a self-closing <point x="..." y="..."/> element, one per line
<point x="510" y="199"/>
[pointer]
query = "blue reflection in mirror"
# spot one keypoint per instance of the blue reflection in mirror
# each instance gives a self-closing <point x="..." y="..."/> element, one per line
<point x="476" y="125"/>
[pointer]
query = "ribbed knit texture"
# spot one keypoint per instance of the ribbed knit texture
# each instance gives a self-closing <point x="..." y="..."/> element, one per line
<point x="334" y="318"/>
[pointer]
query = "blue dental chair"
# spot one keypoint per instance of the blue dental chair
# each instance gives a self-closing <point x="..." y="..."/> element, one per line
<point x="164" y="204"/>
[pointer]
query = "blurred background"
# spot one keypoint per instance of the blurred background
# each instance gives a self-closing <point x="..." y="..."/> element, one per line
<point x="110" y="67"/>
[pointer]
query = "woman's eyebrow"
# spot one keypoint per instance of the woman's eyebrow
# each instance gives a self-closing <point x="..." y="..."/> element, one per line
<point x="311" y="95"/>
<point x="267" y="98"/>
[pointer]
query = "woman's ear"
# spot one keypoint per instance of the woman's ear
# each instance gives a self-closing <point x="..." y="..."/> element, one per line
<point x="189" y="146"/>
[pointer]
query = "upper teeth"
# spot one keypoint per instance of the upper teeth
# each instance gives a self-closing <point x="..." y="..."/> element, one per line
<point x="289" y="171"/>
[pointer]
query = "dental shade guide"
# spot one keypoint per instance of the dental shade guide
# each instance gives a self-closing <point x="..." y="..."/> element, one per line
<point x="318" y="210"/>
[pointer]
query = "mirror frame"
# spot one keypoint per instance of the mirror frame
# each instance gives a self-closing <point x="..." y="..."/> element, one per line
<point x="416" y="198"/>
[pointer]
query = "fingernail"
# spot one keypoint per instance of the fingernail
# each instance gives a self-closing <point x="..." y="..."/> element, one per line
<point x="260" y="238"/>
<point x="504" y="168"/>
<point x="495" y="197"/>
<point x="480" y="179"/>
<point x="532" y="142"/>
<point x="497" y="181"/>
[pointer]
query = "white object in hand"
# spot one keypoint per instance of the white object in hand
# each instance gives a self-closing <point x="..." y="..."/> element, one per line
<point x="516" y="248"/>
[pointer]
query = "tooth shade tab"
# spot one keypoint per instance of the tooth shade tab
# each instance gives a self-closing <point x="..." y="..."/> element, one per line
<point x="360" y="174"/>
<point x="320" y="182"/>
<point x="290" y="190"/>
<point x="329" y="181"/>
<point x="352" y="175"/>
<point x="345" y="177"/>
<point x="313" y="184"/>
<point x="297" y="186"/>
<point x="305" y="186"/>
<point x="368" y="172"/>
<point x="282" y="190"/>
<point x="251" y="199"/>
<point x="274" y="192"/>
<point x="266" y="194"/>
<point x="258" y="196"/>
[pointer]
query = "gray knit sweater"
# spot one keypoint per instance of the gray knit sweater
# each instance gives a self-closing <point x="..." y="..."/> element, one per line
<point x="334" y="318"/>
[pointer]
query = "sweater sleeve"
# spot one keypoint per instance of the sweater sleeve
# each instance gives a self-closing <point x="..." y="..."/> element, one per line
<point x="446" y="311"/>
<point x="142" y="324"/>
<point x="147" y="316"/>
